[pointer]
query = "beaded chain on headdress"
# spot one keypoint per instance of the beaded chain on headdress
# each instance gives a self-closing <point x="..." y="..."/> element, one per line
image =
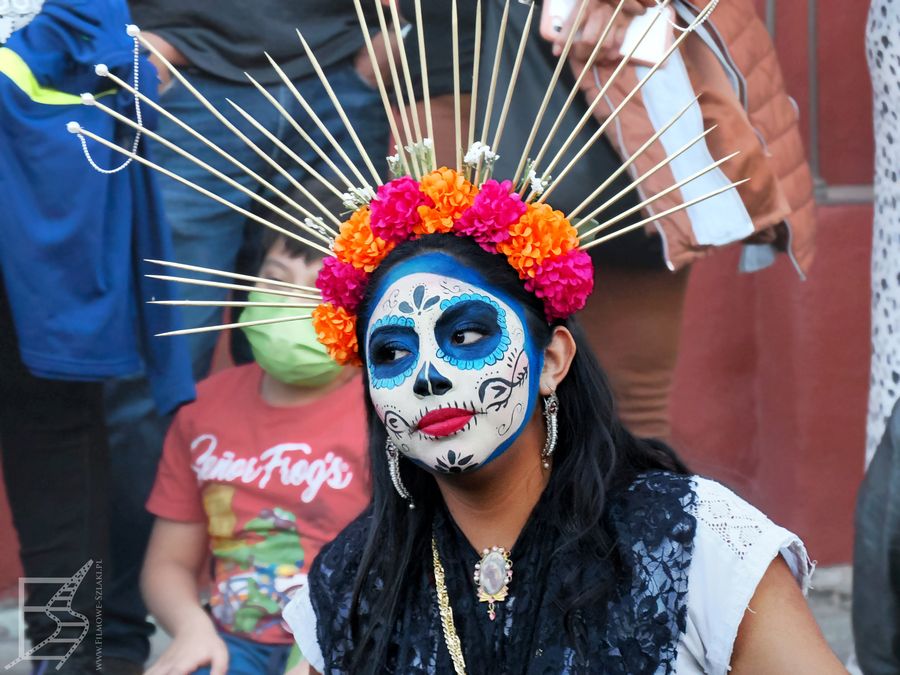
<point x="548" y="249"/>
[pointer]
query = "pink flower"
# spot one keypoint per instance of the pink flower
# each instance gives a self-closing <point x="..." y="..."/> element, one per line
<point x="341" y="284"/>
<point x="487" y="221"/>
<point x="395" y="209"/>
<point x="563" y="283"/>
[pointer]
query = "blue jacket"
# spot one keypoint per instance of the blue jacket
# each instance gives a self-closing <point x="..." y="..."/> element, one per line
<point x="72" y="240"/>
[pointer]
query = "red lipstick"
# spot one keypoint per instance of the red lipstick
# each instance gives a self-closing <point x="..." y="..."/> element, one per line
<point x="444" y="422"/>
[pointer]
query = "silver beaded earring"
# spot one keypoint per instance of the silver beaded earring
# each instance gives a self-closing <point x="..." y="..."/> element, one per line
<point x="551" y="407"/>
<point x="393" y="457"/>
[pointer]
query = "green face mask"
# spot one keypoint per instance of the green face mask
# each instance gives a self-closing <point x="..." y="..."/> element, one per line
<point x="288" y="351"/>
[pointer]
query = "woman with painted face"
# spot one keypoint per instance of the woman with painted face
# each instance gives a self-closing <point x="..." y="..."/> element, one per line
<point x="517" y="526"/>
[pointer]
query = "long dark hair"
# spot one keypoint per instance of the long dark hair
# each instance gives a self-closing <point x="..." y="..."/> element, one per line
<point x="596" y="456"/>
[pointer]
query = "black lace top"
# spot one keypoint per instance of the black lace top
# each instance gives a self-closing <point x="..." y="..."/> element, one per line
<point x="637" y="631"/>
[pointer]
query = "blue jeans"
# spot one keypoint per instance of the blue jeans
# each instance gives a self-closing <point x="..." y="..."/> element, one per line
<point x="246" y="657"/>
<point x="209" y="234"/>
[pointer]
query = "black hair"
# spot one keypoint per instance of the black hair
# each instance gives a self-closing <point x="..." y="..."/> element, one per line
<point x="294" y="248"/>
<point x="592" y="462"/>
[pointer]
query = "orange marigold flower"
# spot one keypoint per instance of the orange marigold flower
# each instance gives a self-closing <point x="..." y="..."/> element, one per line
<point x="336" y="329"/>
<point x="450" y="193"/>
<point x="357" y="245"/>
<point x="541" y="233"/>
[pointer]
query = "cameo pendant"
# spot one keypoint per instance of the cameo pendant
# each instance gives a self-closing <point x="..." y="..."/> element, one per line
<point x="492" y="576"/>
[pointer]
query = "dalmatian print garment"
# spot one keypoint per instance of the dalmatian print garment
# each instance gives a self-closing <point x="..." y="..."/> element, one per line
<point x="883" y="52"/>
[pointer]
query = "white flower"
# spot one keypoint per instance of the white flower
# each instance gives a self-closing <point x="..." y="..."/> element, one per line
<point x="357" y="196"/>
<point x="538" y="183"/>
<point x="316" y="225"/>
<point x="482" y="152"/>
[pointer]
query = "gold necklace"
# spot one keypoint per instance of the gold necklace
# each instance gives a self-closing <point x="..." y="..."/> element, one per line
<point x="454" y="646"/>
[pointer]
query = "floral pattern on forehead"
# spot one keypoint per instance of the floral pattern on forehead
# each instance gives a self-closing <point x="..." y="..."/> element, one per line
<point x="537" y="241"/>
<point x="449" y="361"/>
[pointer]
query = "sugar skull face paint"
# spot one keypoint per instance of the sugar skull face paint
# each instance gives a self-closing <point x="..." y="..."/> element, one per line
<point x="451" y="365"/>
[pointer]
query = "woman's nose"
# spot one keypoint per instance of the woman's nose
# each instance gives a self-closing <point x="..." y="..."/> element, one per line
<point x="429" y="382"/>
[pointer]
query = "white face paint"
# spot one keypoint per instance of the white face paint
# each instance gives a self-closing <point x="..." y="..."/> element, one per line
<point x="450" y="367"/>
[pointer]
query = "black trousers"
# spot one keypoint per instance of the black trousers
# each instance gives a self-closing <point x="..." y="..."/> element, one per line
<point x="55" y="464"/>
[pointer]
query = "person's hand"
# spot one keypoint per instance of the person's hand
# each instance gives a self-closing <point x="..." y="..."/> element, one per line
<point x="597" y="16"/>
<point x="196" y="646"/>
<point x="175" y="57"/>
<point x="363" y="63"/>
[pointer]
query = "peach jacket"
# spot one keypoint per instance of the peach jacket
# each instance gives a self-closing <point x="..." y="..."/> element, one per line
<point x="733" y="64"/>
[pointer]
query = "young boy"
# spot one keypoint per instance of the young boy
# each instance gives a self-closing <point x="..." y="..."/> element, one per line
<point x="264" y="468"/>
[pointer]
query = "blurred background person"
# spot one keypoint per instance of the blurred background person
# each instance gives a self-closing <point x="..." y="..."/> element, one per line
<point x="876" y="559"/>
<point x="72" y="310"/>
<point x="633" y="319"/>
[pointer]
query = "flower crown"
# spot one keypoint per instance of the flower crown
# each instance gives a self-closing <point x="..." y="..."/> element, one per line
<point x="538" y="242"/>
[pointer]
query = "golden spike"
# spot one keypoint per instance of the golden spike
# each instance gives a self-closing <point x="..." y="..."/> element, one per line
<point x="201" y="98"/>
<point x="473" y="104"/>
<point x="233" y="303"/>
<point x="423" y="64"/>
<point x="674" y="209"/>
<point x="238" y="324"/>
<point x="560" y="63"/>
<point x="290" y="153"/>
<point x="576" y="88"/>
<point x="596" y="135"/>
<point x="232" y="287"/>
<point x="457" y="114"/>
<point x="74" y="127"/>
<point x="640" y="179"/>
<point x="486" y="122"/>
<point x="306" y="137"/>
<point x="88" y="99"/>
<point x="407" y="76"/>
<point x="196" y="134"/>
<point x="316" y="119"/>
<point x="640" y="151"/>
<point x="514" y="76"/>
<point x="382" y="90"/>
<point x="339" y="109"/>
<point x="658" y="195"/>
<point x="398" y="92"/>
<point x="231" y="275"/>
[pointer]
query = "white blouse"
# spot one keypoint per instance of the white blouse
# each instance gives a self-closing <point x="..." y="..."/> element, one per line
<point x="733" y="547"/>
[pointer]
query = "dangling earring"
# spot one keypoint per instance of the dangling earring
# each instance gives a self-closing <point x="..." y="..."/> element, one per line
<point x="551" y="407"/>
<point x="393" y="457"/>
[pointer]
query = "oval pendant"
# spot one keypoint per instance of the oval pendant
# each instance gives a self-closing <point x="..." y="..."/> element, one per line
<point x="492" y="575"/>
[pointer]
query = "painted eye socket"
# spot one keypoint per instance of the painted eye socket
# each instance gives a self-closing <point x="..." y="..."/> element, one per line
<point x="393" y="351"/>
<point x="471" y="333"/>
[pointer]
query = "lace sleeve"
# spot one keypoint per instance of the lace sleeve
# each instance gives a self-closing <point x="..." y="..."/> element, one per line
<point x="299" y="615"/>
<point x="734" y="545"/>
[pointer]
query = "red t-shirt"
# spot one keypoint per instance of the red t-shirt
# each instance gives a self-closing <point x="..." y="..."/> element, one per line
<point x="274" y="484"/>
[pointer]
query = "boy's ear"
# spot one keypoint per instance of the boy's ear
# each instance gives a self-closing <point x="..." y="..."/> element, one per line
<point x="557" y="359"/>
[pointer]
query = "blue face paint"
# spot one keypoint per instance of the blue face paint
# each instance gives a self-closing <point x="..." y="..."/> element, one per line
<point x="393" y="351"/>
<point x="465" y="316"/>
<point x="477" y="368"/>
